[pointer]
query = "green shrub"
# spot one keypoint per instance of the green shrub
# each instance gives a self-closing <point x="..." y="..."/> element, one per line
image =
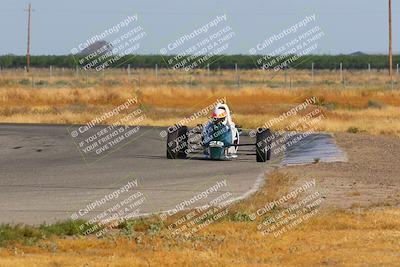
<point x="24" y="82"/>
<point x="41" y="83"/>
<point x="154" y="228"/>
<point x="18" y="234"/>
<point x="240" y="217"/>
<point x="112" y="83"/>
<point x="374" y="104"/>
<point x="30" y="235"/>
<point x="65" y="228"/>
<point x="353" y="130"/>
<point x="62" y="83"/>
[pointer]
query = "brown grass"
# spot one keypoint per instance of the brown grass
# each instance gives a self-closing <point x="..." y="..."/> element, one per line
<point x="166" y="100"/>
<point x="332" y="237"/>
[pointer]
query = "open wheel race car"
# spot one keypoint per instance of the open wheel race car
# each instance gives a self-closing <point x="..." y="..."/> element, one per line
<point x="216" y="142"/>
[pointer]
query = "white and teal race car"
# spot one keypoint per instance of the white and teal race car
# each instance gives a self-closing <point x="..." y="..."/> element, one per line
<point x="215" y="142"/>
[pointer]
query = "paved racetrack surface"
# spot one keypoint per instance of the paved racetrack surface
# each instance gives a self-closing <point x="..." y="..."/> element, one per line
<point x="47" y="175"/>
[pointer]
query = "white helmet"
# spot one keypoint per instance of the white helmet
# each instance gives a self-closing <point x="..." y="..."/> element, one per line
<point x="220" y="115"/>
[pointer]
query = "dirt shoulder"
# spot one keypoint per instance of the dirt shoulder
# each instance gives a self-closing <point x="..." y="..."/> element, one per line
<point x="370" y="178"/>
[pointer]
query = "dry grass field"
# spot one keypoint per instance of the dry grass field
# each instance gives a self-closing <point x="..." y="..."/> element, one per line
<point x="362" y="102"/>
<point x="330" y="238"/>
<point x="357" y="224"/>
<point x="347" y="229"/>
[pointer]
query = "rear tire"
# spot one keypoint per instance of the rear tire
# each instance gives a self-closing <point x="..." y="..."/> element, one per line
<point x="263" y="148"/>
<point x="269" y="147"/>
<point x="183" y="134"/>
<point x="177" y="141"/>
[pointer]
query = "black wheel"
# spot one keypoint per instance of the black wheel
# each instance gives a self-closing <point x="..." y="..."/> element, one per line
<point x="177" y="141"/>
<point x="263" y="148"/>
<point x="236" y="140"/>
<point x="269" y="138"/>
<point x="183" y="143"/>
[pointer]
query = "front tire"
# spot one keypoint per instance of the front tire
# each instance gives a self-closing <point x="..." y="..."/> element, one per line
<point x="177" y="143"/>
<point x="263" y="147"/>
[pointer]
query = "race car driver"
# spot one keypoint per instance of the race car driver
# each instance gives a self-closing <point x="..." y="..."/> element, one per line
<point x="219" y="127"/>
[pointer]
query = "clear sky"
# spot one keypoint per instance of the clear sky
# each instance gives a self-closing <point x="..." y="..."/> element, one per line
<point x="58" y="26"/>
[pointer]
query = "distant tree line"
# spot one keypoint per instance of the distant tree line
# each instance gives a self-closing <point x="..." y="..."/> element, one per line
<point x="222" y="62"/>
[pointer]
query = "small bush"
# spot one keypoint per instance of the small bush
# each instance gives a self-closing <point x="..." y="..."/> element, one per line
<point x="319" y="101"/>
<point x="330" y="106"/>
<point x="240" y="217"/>
<point x="328" y="82"/>
<point x="41" y="83"/>
<point x="18" y="234"/>
<point x="374" y="104"/>
<point x="112" y="83"/>
<point x="353" y="130"/>
<point x="154" y="228"/>
<point x="30" y="235"/>
<point x="24" y="82"/>
<point x="64" y="228"/>
<point x="127" y="228"/>
<point x="62" y="83"/>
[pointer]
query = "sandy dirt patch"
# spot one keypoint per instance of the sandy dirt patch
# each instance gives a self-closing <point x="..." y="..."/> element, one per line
<point x="370" y="178"/>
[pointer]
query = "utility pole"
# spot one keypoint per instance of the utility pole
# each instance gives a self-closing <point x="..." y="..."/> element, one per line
<point x="369" y="72"/>
<point x="237" y="75"/>
<point x="390" y="40"/>
<point x="312" y="73"/>
<point x="28" y="56"/>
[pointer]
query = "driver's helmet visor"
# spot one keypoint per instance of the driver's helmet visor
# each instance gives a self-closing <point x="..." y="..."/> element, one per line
<point x="218" y="120"/>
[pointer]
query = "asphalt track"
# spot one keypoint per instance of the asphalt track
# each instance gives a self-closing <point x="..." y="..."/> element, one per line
<point x="46" y="176"/>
